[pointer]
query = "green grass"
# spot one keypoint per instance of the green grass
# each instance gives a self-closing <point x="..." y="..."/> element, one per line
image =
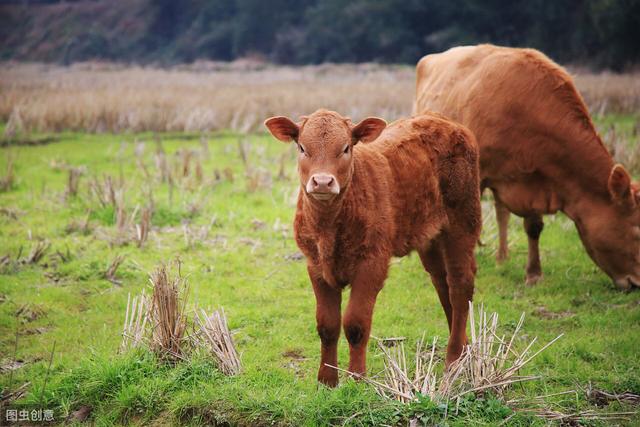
<point x="267" y="298"/>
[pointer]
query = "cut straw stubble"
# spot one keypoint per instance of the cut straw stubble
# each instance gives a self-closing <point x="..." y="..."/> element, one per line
<point x="489" y="363"/>
<point x="168" y="316"/>
<point x="160" y="322"/>
<point x="212" y="332"/>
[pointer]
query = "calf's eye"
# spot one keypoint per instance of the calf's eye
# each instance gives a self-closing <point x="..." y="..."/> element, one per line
<point x="300" y="149"/>
<point x="346" y="149"/>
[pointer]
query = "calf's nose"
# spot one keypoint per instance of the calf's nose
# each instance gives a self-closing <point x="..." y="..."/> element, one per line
<point x="323" y="183"/>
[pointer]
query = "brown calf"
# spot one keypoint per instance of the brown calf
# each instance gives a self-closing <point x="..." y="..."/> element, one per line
<point x="414" y="188"/>
<point x="539" y="151"/>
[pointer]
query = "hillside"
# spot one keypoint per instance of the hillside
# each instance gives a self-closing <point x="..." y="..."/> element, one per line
<point x="64" y="32"/>
<point x="598" y="33"/>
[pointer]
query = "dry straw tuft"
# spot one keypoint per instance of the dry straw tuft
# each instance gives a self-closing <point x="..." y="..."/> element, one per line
<point x="167" y="312"/>
<point x="110" y="273"/>
<point x="212" y="332"/>
<point x="491" y="362"/>
<point x="73" y="182"/>
<point x="38" y="251"/>
<point x="134" y="331"/>
<point x="8" y="178"/>
<point x="160" y="322"/>
<point x="106" y="190"/>
<point x="142" y="229"/>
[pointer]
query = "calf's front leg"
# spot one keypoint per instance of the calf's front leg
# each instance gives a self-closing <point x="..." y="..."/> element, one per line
<point x="328" y="300"/>
<point x="357" y="318"/>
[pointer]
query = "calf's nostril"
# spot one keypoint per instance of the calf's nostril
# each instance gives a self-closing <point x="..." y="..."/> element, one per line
<point x="321" y="183"/>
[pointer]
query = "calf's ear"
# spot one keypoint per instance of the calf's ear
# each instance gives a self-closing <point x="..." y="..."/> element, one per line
<point x="620" y="186"/>
<point x="368" y="129"/>
<point x="282" y="128"/>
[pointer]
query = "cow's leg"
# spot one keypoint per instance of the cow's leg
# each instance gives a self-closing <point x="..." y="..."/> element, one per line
<point x="357" y="317"/>
<point x="433" y="262"/>
<point x="502" y="217"/>
<point x="460" y="265"/>
<point x="328" y="302"/>
<point x="533" y="225"/>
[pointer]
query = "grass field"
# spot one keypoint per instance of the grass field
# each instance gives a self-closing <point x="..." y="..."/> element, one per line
<point x="229" y="220"/>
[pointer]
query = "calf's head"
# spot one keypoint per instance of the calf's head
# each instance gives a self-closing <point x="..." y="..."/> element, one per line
<point x="611" y="230"/>
<point x="325" y="143"/>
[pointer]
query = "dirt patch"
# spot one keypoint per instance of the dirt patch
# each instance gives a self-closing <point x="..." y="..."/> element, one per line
<point x="81" y="414"/>
<point x="11" y="213"/>
<point x="543" y="313"/>
<point x="54" y="277"/>
<point x="293" y="360"/>
<point x="296" y="256"/>
<point x="603" y="398"/>
<point x="30" y="312"/>
<point x="34" y="331"/>
<point x="257" y="224"/>
<point x="294" y="353"/>
<point x="11" y="365"/>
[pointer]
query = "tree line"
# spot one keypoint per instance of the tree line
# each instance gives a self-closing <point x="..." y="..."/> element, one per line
<point x="600" y="33"/>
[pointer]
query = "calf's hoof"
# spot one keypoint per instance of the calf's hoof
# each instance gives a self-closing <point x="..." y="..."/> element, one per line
<point x="450" y="361"/>
<point x="453" y="355"/>
<point x="328" y="376"/>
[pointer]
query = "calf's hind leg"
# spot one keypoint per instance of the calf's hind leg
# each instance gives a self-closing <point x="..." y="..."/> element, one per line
<point x="461" y="267"/>
<point x="433" y="261"/>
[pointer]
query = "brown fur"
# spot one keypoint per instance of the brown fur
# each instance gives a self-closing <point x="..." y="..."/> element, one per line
<point x="539" y="150"/>
<point x="413" y="188"/>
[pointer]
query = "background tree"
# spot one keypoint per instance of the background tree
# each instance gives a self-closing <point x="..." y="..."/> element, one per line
<point x="602" y="33"/>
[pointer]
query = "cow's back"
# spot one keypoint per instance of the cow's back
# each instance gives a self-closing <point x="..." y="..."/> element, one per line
<point x="522" y="107"/>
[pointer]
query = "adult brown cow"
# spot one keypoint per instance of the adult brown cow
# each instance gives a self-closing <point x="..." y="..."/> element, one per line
<point x="539" y="151"/>
<point x="413" y="188"/>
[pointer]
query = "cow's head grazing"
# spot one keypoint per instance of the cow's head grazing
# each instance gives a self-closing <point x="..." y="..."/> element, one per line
<point x="325" y="143"/>
<point x="611" y="231"/>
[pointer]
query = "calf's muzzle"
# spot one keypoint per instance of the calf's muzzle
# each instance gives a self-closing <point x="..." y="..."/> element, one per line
<point x="323" y="186"/>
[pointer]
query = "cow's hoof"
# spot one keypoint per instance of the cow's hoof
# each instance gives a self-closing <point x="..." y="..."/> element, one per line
<point x="625" y="285"/>
<point x="533" y="278"/>
<point x="502" y="256"/>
